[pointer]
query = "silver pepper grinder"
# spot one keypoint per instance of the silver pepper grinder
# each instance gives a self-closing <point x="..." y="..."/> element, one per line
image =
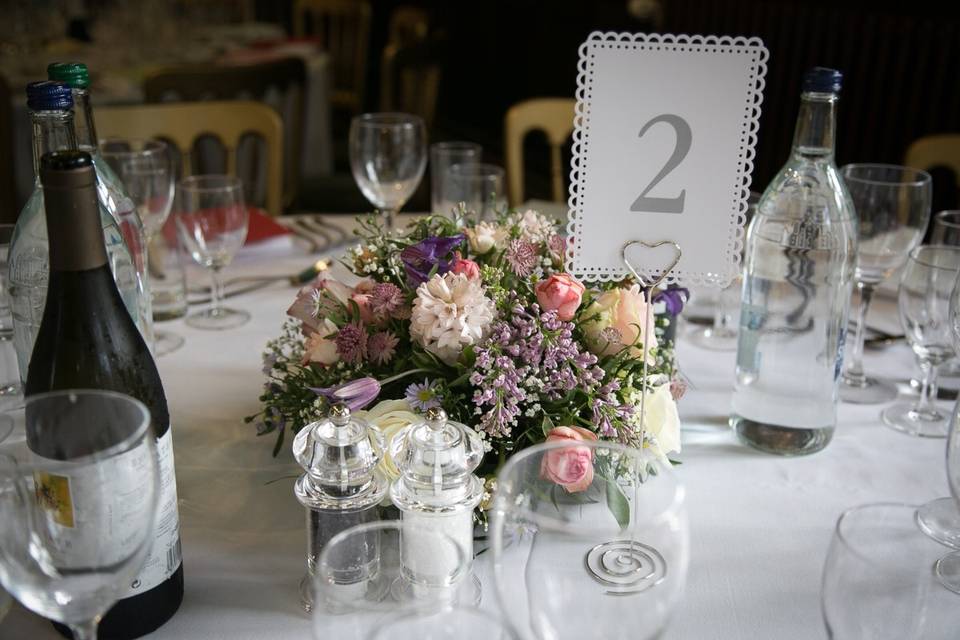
<point x="340" y="488"/>
<point x="437" y="491"/>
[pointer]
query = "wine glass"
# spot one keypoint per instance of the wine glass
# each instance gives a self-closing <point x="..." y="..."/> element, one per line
<point x="443" y="156"/>
<point x="924" y="305"/>
<point x="722" y="334"/>
<point x="212" y="221"/>
<point x="893" y="207"/>
<point x="946" y="227"/>
<point x="588" y="527"/>
<point x="388" y="154"/>
<point x="146" y="171"/>
<point x="877" y="581"/>
<point x="948" y="567"/>
<point x="78" y="504"/>
<point x="359" y="583"/>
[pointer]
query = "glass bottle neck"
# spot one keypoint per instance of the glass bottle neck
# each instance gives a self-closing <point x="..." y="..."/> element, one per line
<point x="86" y="130"/>
<point x="813" y="137"/>
<point x="52" y="131"/>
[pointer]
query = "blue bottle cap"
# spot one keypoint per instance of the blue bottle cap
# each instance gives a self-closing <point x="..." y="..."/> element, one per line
<point x="823" y="80"/>
<point x="49" y="95"/>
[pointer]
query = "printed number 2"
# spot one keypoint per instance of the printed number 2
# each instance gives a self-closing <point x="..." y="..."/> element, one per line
<point x="680" y="150"/>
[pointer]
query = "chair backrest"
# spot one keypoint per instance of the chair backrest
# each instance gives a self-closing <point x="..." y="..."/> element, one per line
<point x="343" y="29"/>
<point x="8" y="198"/>
<point x="941" y="150"/>
<point x="281" y="83"/>
<point x="408" y="24"/>
<point x="410" y="80"/>
<point x="553" y="116"/>
<point x="182" y="124"/>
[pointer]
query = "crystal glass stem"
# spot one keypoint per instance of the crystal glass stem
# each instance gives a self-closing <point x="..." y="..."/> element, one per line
<point x="853" y="369"/>
<point x="389" y="217"/>
<point x="216" y="292"/>
<point x="925" y="406"/>
<point x="84" y="630"/>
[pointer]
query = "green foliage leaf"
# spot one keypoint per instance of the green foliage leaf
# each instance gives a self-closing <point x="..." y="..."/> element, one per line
<point x="547" y="425"/>
<point x="617" y="502"/>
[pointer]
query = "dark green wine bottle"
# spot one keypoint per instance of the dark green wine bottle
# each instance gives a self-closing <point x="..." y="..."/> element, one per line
<point x="87" y="340"/>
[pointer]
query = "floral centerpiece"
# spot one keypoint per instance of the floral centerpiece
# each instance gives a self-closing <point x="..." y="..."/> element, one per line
<point x="482" y="320"/>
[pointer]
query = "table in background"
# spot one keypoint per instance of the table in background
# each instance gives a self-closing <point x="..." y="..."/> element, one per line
<point x="760" y="524"/>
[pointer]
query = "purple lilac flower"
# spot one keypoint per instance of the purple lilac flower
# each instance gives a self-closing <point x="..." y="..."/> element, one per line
<point x="356" y="394"/>
<point x="522" y="257"/>
<point x="421" y="258"/>
<point x="385" y="299"/>
<point x="673" y="298"/>
<point x="422" y="396"/>
<point x="381" y="347"/>
<point x="526" y="360"/>
<point x="351" y="343"/>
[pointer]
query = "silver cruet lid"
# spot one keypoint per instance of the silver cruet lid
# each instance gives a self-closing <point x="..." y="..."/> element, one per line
<point x="436" y="459"/>
<point x="339" y="455"/>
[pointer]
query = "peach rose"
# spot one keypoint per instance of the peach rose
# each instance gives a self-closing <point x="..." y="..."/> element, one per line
<point x="468" y="268"/>
<point x="562" y="293"/>
<point x="570" y="467"/>
<point x="615" y="321"/>
<point x="319" y="347"/>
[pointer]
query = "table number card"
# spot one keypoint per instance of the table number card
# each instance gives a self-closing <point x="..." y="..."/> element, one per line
<point x="662" y="151"/>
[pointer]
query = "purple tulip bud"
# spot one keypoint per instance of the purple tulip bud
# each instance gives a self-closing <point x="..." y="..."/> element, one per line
<point x="356" y="394"/>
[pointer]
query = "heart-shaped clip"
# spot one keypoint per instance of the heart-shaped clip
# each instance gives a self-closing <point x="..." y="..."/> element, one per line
<point x="651" y="245"/>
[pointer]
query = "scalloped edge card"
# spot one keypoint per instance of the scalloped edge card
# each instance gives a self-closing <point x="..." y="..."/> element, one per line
<point x="663" y="146"/>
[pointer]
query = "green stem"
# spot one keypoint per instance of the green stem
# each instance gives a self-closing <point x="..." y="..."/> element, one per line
<point x="400" y="376"/>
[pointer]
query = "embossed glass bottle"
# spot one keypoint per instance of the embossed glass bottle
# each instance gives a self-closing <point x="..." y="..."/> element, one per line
<point x="798" y="275"/>
<point x="51" y="113"/>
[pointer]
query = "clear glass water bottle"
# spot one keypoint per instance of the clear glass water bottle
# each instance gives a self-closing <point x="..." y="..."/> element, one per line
<point x="110" y="190"/>
<point x="51" y="114"/>
<point x="798" y="276"/>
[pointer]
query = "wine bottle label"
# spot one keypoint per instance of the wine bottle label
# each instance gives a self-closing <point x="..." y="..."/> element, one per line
<point x="81" y="527"/>
<point x="164" y="557"/>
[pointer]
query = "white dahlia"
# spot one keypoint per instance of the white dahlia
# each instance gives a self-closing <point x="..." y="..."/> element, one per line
<point x="450" y="313"/>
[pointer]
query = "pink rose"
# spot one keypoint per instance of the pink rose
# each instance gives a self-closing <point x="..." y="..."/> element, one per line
<point x="319" y="347"/>
<point x="562" y="293"/>
<point x="570" y="467"/>
<point x="468" y="268"/>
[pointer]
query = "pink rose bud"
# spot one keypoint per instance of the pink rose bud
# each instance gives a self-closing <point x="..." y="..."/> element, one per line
<point x="562" y="293"/>
<point x="570" y="467"/>
<point x="468" y="268"/>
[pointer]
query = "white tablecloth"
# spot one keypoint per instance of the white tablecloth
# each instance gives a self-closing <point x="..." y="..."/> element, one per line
<point x="760" y="524"/>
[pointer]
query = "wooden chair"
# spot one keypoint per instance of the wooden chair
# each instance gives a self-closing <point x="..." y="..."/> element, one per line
<point x="343" y="29"/>
<point x="8" y="196"/>
<point x="281" y="83"/>
<point x="410" y="80"/>
<point x="182" y="124"/>
<point x="941" y="150"/>
<point x="553" y="116"/>
<point x="407" y="25"/>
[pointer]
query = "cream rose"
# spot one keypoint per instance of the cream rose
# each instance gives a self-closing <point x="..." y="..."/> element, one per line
<point x="615" y="320"/>
<point x="319" y="347"/>
<point x="390" y="417"/>
<point x="662" y="421"/>
<point x="484" y="237"/>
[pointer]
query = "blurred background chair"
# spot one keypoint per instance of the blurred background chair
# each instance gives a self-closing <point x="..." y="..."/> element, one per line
<point x="410" y="79"/>
<point x="280" y="83"/>
<point x="554" y="117"/>
<point x="940" y="156"/>
<point x="343" y="28"/>
<point x="184" y="124"/>
<point x="8" y="200"/>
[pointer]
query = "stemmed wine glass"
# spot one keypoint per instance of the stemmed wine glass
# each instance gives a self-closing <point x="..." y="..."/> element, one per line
<point x="388" y="155"/>
<point x="146" y="171"/>
<point x="893" y="207"/>
<point x="877" y="581"/>
<point x="212" y="221"/>
<point x="924" y="305"/>
<point x="78" y="505"/>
